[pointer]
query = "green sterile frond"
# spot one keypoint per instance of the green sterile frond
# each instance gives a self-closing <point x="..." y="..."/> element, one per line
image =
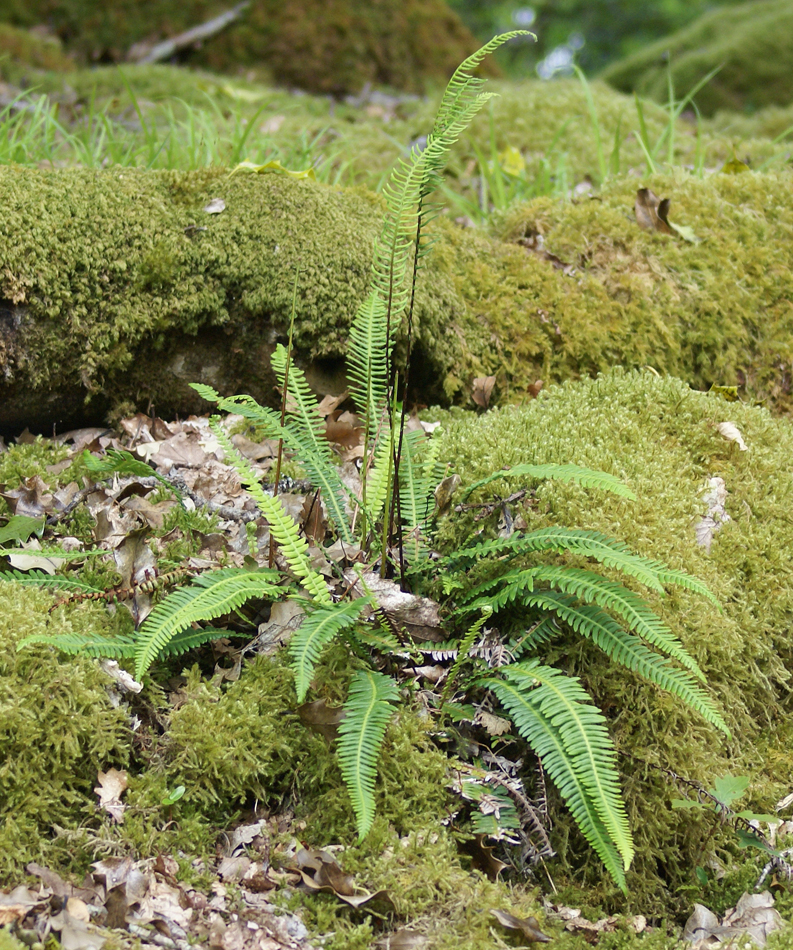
<point x="541" y="632"/>
<point x="246" y="406"/>
<point x="672" y="577"/>
<point x="409" y="182"/>
<point x="368" y="350"/>
<point x="118" y="461"/>
<point x="463" y="85"/>
<point x="377" y="480"/>
<point x="463" y="649"/>
<point x="89" y="644"/>
<point x="317" y="630"/>
<point x="211" y="594"/>
<point x="191" y="638"/>
<point x="206" y="392"/>
<point x="282" y="527"/>
<point x="630" y="651"/>
<point x="588" y="543"/>
<point x="305" y="433"/>
<point x="586" y="477"/>
<point x="36" y="578"/>
<point x="559" y="721"/>
<point x="594" y="588"/>
<point x="361" y="733"/>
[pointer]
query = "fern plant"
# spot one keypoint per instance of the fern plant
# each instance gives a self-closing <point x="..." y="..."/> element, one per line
<point x="551" y="711"/>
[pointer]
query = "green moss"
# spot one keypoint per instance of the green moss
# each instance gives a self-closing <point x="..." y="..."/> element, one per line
<point x="9" y="942"/>
<point x="717" y="312"/>
<point x="751" y="43"/>
<point x="659" y="437"/>
<point x="24" y="53"/>
<point x="329" y="47"/>
<point x="58" y="727"/>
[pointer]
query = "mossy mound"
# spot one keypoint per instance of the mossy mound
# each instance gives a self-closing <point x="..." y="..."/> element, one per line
<point x="714" y="312"/>
<point x="328" y="47"/>
<point x="773" y="122"/>
<point x="751" y="42"/>
<point x="23" y="50"/>
<point x="58" y="728"/>
<point x="660" y="438"/>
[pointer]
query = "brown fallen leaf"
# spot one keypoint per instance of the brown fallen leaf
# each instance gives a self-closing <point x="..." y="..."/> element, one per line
<point x="404" y="939"/>
<point x="652" y="212"/>
<point x="482" y="857"/>
<point x="420" y="616"/>
<point x="483" y="390"/>
<point x="112" y="785"/>
<point x="321" y="718"/>
<point x="321" y="872"/>
<point x="533" y="389"/>
<point x="444" y="492"/>
<point x="312" y="519"/>
<point x="16" y="904"/>
<point x="528" y="926"/>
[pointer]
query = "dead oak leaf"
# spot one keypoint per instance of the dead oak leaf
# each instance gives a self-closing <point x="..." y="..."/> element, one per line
<point x="483" y="390"/>
<point x="652" y="214"/>
<point x="112" y="785"/>
<point x="528" y="926"/>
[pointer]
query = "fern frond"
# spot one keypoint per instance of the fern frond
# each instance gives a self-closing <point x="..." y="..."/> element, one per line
<point x="556" y="717"/>
<point x="416" y="498"/>
<point x="315" y="632"/>
<point x="211" y="594"/>
<point x="463" y="85"/>
<point x="36" y="578"/>
<point x="587" y="543"/>
<point x="624" y="648"/>
<point x="283" y="528"/>
<point x="89" y="644"/>
<point x="206" y="392"/>
<point x="191" y="638"/>
<point x="368" y="350"/>
<point x="586" y="477"/>
<point x="361" y="733"/>
<point x="463" y="649"/>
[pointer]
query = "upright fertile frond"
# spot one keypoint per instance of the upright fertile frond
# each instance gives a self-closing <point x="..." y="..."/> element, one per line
<point x="361" y="733"/>
<point x="568" y="733"/>
<point x="463" y="85"/>
<point x="306" y="434"/>
<point x="282" y="527"/>
<point x="315" y="632"/>
<point x="210" y="595"/>
<point x="586" y="477"/>
<point x="368" y="349"/>
<point x="623" y="647"/>
<point x="395" y="246"/>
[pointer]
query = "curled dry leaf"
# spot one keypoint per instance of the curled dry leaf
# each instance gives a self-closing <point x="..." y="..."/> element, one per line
<point x="445" y="491"/>
<point x="652" y="214"/>
<point x="321" y="718"/>
<point x="112" y="785"/>
<point x="528" y="926"/>
<point x="732" y="433"/>
<point x="320" y="872"/>
<point x="483" y="390"/>
<point x="215" y="206"/>
<point x="419" y="615"/>
<point x="753" y="916"/>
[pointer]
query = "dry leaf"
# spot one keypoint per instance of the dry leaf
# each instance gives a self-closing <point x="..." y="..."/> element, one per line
<point x="215" y="206"/>
<point x="732" y="433"/>
<point x="419" y="615"/>
<point x="483" y="390"/>
<point x="482" y="857"/>
<point x="753" y="916"/>
<point x="403" y="939"/>
<point x="112" y="785"/>
<point x="320" y="872"/>
<point x="652" y="214"/>
<point x="445" y="491"/>
<point x="528" y="926"/>
<point x="714" y="497"/>
<point x="321" y="718"/>
<point x="533" y="389"/>
<point x="17" y="904"/>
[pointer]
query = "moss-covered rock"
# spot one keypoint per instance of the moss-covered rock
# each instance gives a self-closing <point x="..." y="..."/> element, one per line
<point x="116" y="287"/>
<point x="58" y="728"/>
<point x="660" y="438"/>
<point x="329" y="47"/>
<point x="23" y="50"/>
<point x="752" y="43"/>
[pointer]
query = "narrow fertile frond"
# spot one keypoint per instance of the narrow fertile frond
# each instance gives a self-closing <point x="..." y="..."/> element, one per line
<point x="463" y="85"/>
<point x="211" y="594"/>
<point x="624" y="648"/>
<point x="368" y="350"/>
<point x="282" y="526"/>
<point x="315" y="632"/>
<point x="361" y="733"/>
<point x="568" y="733"/>
<point x="89" y="644"/>
<point x="586" y="477"/>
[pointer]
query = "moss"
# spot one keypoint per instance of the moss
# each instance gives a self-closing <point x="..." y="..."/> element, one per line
<point x="24" y="53"/>
<point x="659" y="436"/>
<point x="329" y="47"/>
<point x="57" y="729"/>
<point x="9" y="942"/>
<point x="750" y="43"/>
<point x="769" y="123"/>
<point x="717" y="312"/>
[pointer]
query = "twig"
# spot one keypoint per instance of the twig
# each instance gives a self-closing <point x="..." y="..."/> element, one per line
<point x="144" y="53"/>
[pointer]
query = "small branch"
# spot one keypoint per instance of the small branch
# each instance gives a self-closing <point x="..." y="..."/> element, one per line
<point x="145" y="53"/>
